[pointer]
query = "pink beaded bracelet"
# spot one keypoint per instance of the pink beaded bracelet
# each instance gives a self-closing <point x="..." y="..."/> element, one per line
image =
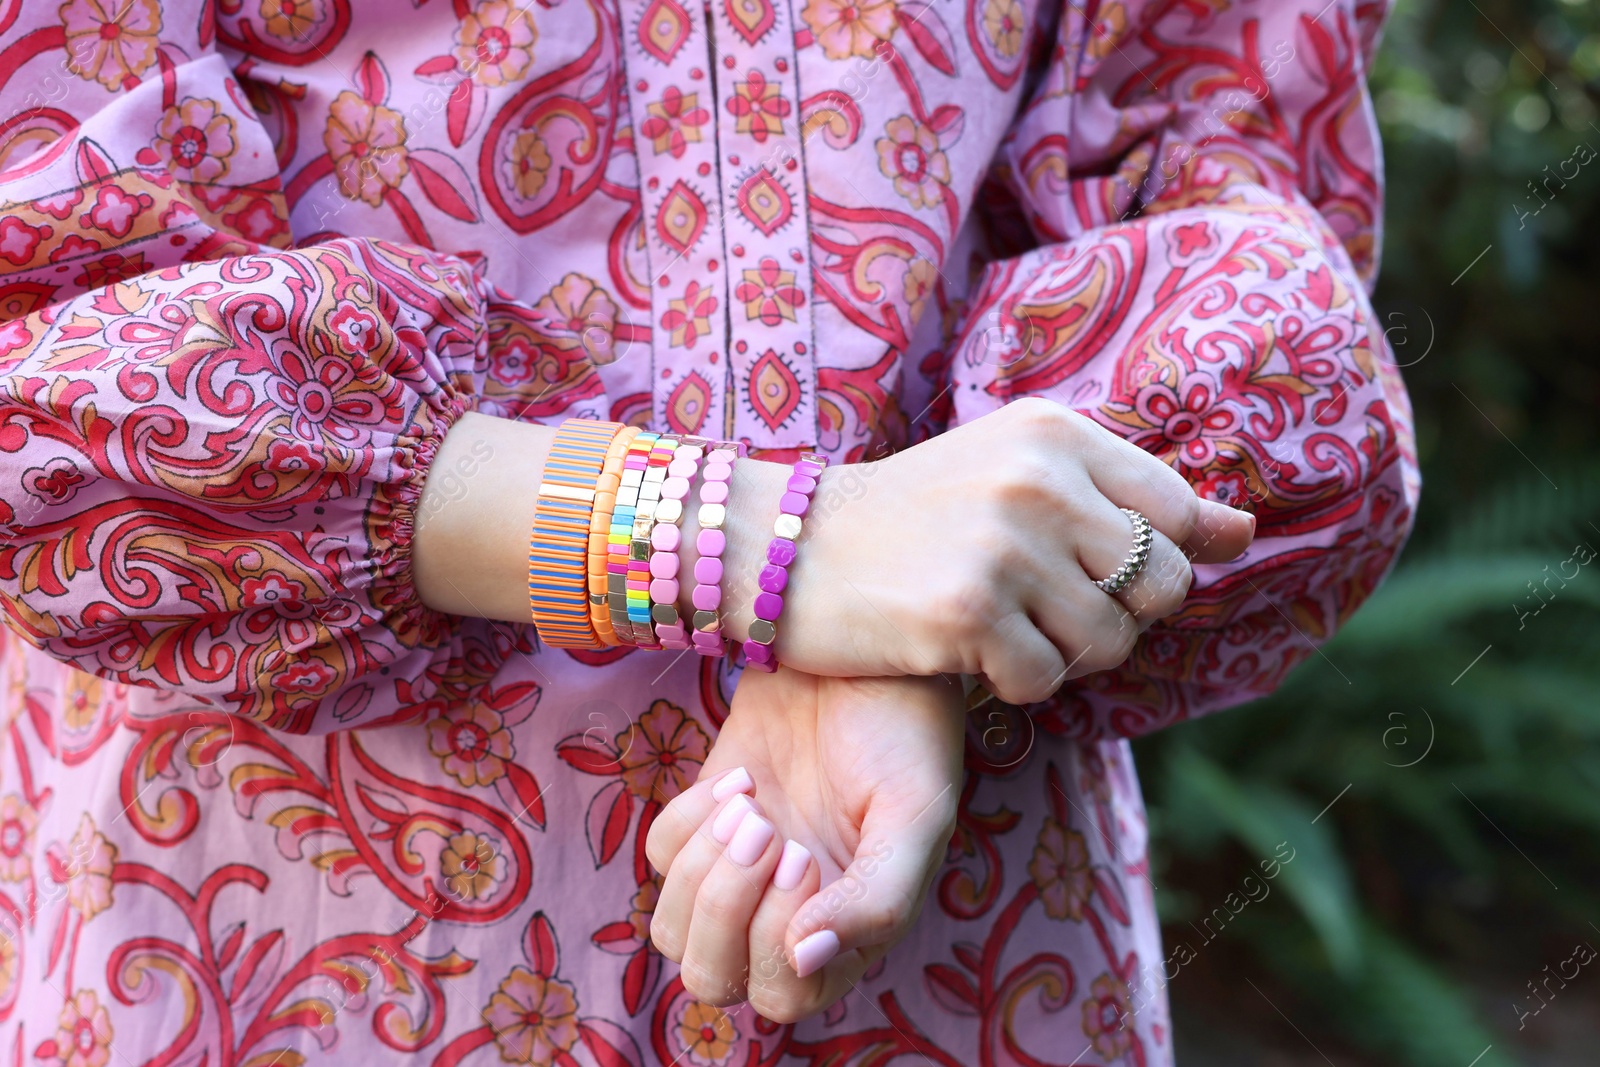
<point x="774" y="577"/>
<point x="709" y="543"/>
<point x="665" y="539"/>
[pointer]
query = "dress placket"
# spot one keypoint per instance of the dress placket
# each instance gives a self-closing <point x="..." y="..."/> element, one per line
<point x="774" y="380"/>
<point x="667" y="50"/>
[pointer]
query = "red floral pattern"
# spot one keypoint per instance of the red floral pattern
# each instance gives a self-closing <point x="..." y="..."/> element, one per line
<point x="259" y="805"/>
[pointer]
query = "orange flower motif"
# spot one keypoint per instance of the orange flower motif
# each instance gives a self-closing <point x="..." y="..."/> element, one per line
<point x="845" y="28"/>
<point x="662" y="752"/>
<point x="769" y="293"/>
<point x="644" y="906"/>
<point x="578" y="313"/>
<point x="1003" y="22"/>
<point x="8" y="966"/>
<point x="674" y="121"/>
<point x="1106" y="31"/>
<point x="758" y="107"/>
<point x="495" y="43"/>
<point x="471" y="866"/>
<point x="910" y="156"/>
<point x="81" y="701"/>
<point x="1106" y="1017"/>
<point x="195" y="140"/>
<point x="367" y="143"/>
<point x="921" y="277"/>
<point x="111" y="41"/>
<point x="17" y="823"/>
<point x="290" y="20"/>
<point x="89" y="864"/>
<point x="527" y="163"/>
<point x="707" y="1033"/>
<point x="689" y="316"/>
<point x="83" y="1033"/>
<point x="534" y="1018"/>
<point x="1060" y="870"/>
<point x="472" y="744"/>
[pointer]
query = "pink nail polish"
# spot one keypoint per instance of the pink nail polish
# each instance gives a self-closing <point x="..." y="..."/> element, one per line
<point x="728" y="820"/>
<point x="737" y="780"/>
<point x="791" y="865"/>
<point x="750" y="840"/>
<point x="811" y="954"/>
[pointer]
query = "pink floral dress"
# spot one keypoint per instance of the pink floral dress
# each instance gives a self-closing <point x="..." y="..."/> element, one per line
<point x="259" y="805"/>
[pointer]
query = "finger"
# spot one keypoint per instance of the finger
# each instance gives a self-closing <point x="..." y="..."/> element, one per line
<point x="1220" y="533"/>
<point x="716" y="959"/>
<point x="1161" y="585"/>
<point x="1130" y="477"/>
<point x="678" y="821"/>
<point x="669" y="924"/>
<point x="878" y="898"/>
<point x="1020" y="664"/>
<point x="1093" y="630"/>
<point x="775" y="991"/>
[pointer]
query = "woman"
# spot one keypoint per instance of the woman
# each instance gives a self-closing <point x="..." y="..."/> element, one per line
<point x="294" y="297"/>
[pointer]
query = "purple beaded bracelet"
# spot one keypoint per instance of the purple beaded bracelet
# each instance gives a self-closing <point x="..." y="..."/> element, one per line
<point x="774" y="578"/>
<point x="709" y="543"/>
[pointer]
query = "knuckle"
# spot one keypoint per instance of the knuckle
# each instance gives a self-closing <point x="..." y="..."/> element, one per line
<point x="706" y="985"/>
<point x="668" y="943"/>
<point x="713" y="908"/>
<point x="784" y="1008"/>
<point x="888" y="920"/>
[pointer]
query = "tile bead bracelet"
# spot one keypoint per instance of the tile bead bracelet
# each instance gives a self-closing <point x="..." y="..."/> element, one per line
<point x="665" y="539"/>
<point x="709" y="544"/>
<point x="558" y="547"/>
<point x="620" y="542"/>
<point x="774" y="577"/>
<point x="644" y="521"/>
<point x="605" y="503"/>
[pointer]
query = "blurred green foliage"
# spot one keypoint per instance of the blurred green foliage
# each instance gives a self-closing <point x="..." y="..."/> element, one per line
<point x="1461" y="706"/>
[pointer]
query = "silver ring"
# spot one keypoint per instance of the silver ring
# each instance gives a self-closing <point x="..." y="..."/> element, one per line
<point x="1136" y="556"/>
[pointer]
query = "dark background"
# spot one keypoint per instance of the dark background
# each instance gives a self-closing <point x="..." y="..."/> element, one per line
<point x="1452" y="725"/>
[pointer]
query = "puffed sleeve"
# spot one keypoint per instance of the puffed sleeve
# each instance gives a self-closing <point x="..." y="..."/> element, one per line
<point x="210" y="477"/>
<point x="1205" y="182"/>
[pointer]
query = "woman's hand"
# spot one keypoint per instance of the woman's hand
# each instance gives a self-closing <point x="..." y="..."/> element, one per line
<point x="976" y="552"/>
<point x="857" y="782"/>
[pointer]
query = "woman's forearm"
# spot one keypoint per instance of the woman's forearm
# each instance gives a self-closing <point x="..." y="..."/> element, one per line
<point x="470" y="553"/>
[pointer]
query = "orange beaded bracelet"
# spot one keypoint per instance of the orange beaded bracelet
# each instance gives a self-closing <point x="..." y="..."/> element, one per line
<point x="558" y="586"/>
<point x="605" y="503"/>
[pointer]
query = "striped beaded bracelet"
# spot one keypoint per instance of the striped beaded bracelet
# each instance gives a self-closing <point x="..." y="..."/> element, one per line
<point x="774" y="577"/>
<point x="558" y="588"/>
<point x="619" y="546"/>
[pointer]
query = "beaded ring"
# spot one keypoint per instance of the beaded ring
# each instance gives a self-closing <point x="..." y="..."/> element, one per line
<point x="558" y="585"/>
<point x="709" y="544"/>
<point x="774" y="578"/>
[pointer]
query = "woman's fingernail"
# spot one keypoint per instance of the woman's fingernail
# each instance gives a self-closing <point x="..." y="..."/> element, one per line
<point x="791" y="865"/>
<point x="730" y="817"/>
<point x="750" y="840"/>
<point x="737" y="780"/>
<point x="811" y="954"/>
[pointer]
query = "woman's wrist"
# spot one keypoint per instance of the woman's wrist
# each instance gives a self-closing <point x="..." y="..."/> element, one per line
<point x="469" y="550"/>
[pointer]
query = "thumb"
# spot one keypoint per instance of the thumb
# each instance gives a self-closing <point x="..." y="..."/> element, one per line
<point x="877" y="899"/>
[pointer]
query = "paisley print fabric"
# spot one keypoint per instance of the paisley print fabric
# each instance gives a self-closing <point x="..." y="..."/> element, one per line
<point x="259" y="805"/>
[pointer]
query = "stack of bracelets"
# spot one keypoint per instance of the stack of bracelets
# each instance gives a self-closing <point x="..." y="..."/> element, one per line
<point x="603" y="561"/>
